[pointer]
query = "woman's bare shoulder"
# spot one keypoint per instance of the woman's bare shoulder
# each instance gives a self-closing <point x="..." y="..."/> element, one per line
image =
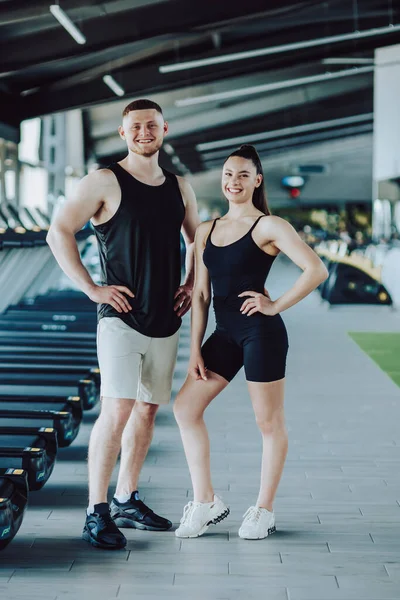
<point x="274" y="223"/>
<point x="204" y="227"/>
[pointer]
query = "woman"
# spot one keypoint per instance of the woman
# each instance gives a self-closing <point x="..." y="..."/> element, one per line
<point x="234" y="254"/>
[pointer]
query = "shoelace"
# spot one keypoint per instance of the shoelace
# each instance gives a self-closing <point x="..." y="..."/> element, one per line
<point x="252" y="514"/>
<point x="188" y="512"/>
<point x="105" y="519"/>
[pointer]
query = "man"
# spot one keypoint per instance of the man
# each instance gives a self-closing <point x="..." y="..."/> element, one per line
<point x="137" y="210"/>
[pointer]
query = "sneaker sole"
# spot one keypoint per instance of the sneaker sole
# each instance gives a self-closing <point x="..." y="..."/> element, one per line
<point x="214" y="521"/>
<point x="271" y="530"/>
<point x="123" y="522"/>
<point x="88" y="538"/>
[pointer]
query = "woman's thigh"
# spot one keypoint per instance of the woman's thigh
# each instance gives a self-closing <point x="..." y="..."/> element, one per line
<point x="195" y="395"/>
<point x="267" y="399"/>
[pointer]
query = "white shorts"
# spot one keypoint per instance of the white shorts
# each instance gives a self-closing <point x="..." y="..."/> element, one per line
<point x="133" y="365"/>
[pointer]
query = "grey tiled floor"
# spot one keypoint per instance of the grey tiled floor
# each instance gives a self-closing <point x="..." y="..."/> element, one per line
<point x="338" y="512"/>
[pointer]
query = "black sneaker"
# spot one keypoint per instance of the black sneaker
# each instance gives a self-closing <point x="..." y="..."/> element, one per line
<point x="137" y="515"/>
<point x="101" y="531"/>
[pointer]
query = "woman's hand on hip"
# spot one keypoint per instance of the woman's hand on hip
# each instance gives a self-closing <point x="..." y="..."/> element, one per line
<point x="257" y="302"/>
<point x="196" y="368"/>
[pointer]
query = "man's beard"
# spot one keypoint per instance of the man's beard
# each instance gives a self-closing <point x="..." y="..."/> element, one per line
<point x="144" y="151"/>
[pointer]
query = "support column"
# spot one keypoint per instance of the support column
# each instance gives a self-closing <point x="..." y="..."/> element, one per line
<point x="386" y="164"/>
<point x="386" y="146"/>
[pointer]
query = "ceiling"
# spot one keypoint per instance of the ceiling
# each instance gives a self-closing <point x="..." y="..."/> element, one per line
<point x="307" y="97"/>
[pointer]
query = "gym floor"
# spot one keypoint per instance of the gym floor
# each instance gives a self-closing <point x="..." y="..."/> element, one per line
<point x="337" y="509"/>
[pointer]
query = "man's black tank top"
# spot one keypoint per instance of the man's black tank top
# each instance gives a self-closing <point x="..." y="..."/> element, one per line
<point x="139" y="247"/>
<point x="238" y="267"/>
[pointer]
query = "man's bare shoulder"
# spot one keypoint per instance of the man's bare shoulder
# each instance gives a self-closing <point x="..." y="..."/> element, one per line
<point x="100" y="177"/>
<point x="182" y="181"/>
<point x="186" y="188"/>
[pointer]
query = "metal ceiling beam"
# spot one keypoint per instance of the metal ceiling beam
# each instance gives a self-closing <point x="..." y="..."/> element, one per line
<point x="137" y="81"/>
<point x="203" y="121"/>
<point x="116" y="30"/>
<point x="337" y="149"/>
<point x="286" y="132"/>
<point x="145" y="80"/>
<point x="123" y="62"/>
<point x="17" y="11"/>
<point x="211" y="159"/>
<point x="273" y="86"/>
<point x="280" y="49"/>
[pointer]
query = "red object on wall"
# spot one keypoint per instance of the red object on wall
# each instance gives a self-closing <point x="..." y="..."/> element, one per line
<point x="294" y="192"/>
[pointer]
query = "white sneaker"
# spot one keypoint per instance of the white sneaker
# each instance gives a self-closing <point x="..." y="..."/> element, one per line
<point x="258" y="523"/>
<point x="198" y="516"/>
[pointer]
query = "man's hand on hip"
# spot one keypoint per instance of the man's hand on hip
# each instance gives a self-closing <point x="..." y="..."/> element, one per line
<point x="113" y="295"/>
<point x="183" y="299"/>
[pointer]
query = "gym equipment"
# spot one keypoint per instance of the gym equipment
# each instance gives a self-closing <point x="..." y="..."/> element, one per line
<point x="13" y="501"/>
<point x="19" y="339"/>
<point x="47" y="381"/>
<point x="33" y="450"/>
<point x="63" y="421"/>
<point x="83" y="363"/>
<point x="71" y="404"/>
<point x="68" y="352"/>
<point x="352" y="281"/>
<point x="37" y="314"/>
<point x="10" y="324"/>
<point x="61" y="373"/>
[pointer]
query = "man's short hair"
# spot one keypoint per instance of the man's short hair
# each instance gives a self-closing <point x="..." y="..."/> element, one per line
<point x="142" y="104"/>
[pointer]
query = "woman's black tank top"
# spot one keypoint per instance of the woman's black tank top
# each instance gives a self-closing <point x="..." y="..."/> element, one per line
<point x="238" y="267"/>
<point x="139" y="247"/>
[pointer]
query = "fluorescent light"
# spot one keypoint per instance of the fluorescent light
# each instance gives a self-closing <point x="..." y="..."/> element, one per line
<point x="113" y="85"/>
<point x="348" y="61"/>
<point x="224" y="58"/>
<point x="168" y="149"/>
<point x="66" y="22"/>
<point x="267" y="87"/>
<point x="282" y="132"/>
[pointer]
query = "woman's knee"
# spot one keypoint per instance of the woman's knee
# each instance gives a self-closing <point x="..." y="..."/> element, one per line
<point x="272" y="423"/>
<point x="185" y="412"/>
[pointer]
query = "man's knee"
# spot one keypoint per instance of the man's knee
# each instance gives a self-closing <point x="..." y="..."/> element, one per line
<point x="115" y="412"/>
<point x="146" y="412"/>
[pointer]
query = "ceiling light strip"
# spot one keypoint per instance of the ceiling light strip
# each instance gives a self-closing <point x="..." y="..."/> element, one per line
<point x="66" y="22"/>
<point x="215" y="60"/>
<point x="282" y="132"/>
<point x="113" y="85"/>
<point x="348" y="61"/>
<point x="311" y="138"/>
<point x="268" y="87"/>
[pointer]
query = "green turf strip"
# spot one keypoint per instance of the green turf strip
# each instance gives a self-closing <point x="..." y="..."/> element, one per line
<point x="383" y="348"/>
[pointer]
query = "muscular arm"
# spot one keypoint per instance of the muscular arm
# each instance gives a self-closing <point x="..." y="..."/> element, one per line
<point x="70" y="218"/>
<point x="189" y="226"/>
<point x="201" y="299"/>
<point x="285" y="238"/>
<point x="281" y="234"/>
